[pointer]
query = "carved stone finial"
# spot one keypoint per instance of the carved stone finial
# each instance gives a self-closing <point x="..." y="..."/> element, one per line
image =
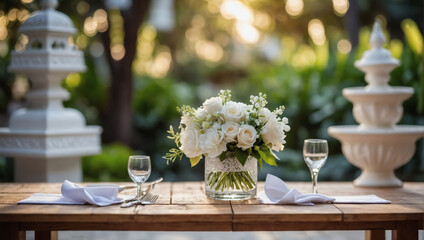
<point x="49" y="4"/>
<point x="377" y="38"/>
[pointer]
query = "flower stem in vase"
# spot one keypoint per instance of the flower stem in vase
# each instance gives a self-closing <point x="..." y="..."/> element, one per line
<point x="219" y="181"/>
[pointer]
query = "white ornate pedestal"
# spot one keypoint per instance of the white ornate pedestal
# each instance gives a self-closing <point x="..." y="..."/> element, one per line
<point x="377" y="146"/>
<point x="46" y="139"/>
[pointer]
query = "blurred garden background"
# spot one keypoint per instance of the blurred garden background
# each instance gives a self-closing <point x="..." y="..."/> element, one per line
<point x="147" y="57"/>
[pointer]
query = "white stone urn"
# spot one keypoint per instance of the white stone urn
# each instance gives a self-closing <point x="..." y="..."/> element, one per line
<point x="377" y="146"/>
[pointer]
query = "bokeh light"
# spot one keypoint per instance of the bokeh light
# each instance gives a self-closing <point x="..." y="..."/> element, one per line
<point x="117" y="51"/>
<point x="3" y="32"/>
<point x="316" y="31"/>
<point x="21" y="43"/>
<point x="344" y="46"/>
<point x="73" y="80"/>
<point x="294" y="7"/>
<point x="340" y="7"/>
<point x="4" y="48"/>
<point x="233" y="9"/>
<point x="83" y="7"/>
<point x="263" y="21"/>
<point x="209" y="51"/>
<point x="100" y="17"/>
<point x="161" y="64"/>
<point x="247" y="33"/>
<point x="90" y="27"/>
<point x="96" y="49"/>
<point x="13" y="14"/>
<point x="304" y="57"/>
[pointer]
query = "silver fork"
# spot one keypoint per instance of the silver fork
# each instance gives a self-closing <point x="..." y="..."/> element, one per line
<point x="152" y="199"/>
<point x="149" y="198"/>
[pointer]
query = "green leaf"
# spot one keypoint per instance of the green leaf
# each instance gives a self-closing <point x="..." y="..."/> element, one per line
<point x="223" y="156"/>
<point x="256" y="155"/>
<point x="266" y="155"/>
<point x="241" y="156"/>
<point x="195" y="161"/>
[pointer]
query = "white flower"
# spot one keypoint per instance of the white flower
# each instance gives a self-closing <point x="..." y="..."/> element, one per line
<point x="211" y="142"/>
<point x="273" y="133"/>
<point x="213" y="105"/>
<point x="246" y="136"/>
<point x="230" y="130"/>
<point x="190" y="141"/>
<point x="265" y="115"/>
<point x="233" y="111"/>
<point x="185" y="119"/>
<point x="201" y="114"/>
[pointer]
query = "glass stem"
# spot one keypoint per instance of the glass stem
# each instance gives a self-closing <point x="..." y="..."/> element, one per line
<point x="314" y="174"/>
<point x="138" y="191"/>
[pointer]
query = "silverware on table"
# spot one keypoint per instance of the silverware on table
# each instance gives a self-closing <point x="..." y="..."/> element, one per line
<point x="146" y="199"/>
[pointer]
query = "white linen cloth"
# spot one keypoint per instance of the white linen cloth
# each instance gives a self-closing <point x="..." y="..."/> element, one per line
<point x="277" y="192"/>
<point x="73" y="193"/>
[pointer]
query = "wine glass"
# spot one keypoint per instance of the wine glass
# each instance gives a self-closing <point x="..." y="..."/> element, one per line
<point x="315" y="153"/>
<point x="139" y="169"/>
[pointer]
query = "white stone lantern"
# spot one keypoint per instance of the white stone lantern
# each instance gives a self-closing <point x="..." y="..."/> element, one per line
<point x="378" y="146"/>
<point x="46" y="139"/>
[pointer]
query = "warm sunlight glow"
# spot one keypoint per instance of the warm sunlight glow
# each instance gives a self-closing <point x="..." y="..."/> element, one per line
<point x="161" y="64"/>
<point x="304" y="57"/>
<point x="248" y="33"/>
<point x="263" y="21"/>
<point x="340" y="7"/>
<point x="294" y="7"/>
<point x="209" y="51"/>
<point x="316" y="31"/>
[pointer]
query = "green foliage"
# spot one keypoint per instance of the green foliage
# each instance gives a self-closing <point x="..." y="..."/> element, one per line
<point x="109" y="166"/>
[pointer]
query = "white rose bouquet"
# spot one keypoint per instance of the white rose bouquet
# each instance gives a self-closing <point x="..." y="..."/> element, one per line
<point x="223" y="128"/>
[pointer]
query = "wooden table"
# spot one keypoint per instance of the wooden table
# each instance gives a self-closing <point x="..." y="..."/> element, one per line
<point x="184" y="207"/>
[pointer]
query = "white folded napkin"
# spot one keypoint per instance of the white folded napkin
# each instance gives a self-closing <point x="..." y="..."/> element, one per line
<point x="277" y="192"/>
<point x="75" y="194"/>
<point x="360" y="199"/>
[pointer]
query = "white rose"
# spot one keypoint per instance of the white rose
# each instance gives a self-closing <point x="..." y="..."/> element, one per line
<point x="246" y="136"/>
<point x="265" y="114"/>
<point x="213" y="105"/>
<point x="211" y="142"/>
<point x="230" y="130"/>
<point x="190" y="141"/>
<point x="273" y="133"/>
<point x="233" y="111"/>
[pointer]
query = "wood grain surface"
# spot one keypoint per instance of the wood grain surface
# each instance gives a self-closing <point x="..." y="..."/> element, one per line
<point x="183" y="206"/>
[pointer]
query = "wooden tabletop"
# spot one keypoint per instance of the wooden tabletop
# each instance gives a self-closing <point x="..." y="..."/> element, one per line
<point x="183" y="206"/>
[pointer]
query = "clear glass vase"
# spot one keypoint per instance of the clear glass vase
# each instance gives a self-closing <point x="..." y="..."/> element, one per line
<point x="229" y="180"/>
